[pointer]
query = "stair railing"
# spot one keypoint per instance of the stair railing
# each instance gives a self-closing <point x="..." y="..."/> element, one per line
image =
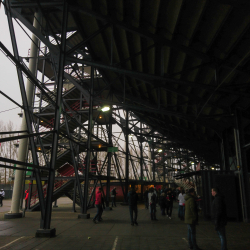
<point x="58" y="184"/>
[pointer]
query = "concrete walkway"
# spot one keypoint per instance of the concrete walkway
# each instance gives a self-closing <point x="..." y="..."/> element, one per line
<point x="115" y="232"/>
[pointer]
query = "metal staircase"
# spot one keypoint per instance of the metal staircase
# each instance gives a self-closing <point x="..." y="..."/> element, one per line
<point x="60" y="188"/>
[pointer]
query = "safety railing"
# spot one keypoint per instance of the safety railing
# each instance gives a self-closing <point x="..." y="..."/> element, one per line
<point x="67" y="170"/>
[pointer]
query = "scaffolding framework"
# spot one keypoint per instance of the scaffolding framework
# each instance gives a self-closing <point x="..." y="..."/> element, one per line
<point x="74" y="145"/>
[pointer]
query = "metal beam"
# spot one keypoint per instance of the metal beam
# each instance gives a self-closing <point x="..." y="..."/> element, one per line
<point x="47" y="220"/>
<point x="89" y="143"/>
<point x="23" y="164"/>
<point x="157" y="39"/>
<point x="28" y="119"/>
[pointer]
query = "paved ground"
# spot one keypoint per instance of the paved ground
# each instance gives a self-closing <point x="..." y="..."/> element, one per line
<point x="115" y="232"/>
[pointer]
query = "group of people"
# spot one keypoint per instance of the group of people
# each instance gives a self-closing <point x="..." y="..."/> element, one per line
<point x="164" y="198"/>
<point x="188" y="210"/>
<point x="218" y="216"/>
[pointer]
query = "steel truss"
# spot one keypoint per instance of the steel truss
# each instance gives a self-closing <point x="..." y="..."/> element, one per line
<point x="65" y="123"/>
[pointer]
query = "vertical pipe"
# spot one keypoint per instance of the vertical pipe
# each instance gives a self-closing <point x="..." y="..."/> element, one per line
<point x="119" y="174"/>
<point x="111" y="50"/>
<point x="149" y="160"/>
<point x="89" y="143"/>
<point x="141" y="161"/>
<point x="127" y="156"/>
<point x="226" y="150"/>
<point x="153" y="158"/>
<point x="74" y="198"/>
<point x="124" y="89"/>
<point x="77" y="179"/>
<point x="23" y="145"/>
<point x="242" y="166"/>
<point x="236" y="137"/>
<point x="46" y="223"/>
<point x="222" y="161"/>
<point x="164" y="170"/>
<point x="109" y="157"/>
<point x="77" y="183"/>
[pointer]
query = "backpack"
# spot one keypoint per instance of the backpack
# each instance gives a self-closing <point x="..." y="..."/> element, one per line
<point x="153" y="198"/>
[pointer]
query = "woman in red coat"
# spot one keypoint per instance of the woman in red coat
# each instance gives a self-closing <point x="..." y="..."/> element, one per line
<point x="26" y="198"/>
<point x="98" y="204"/>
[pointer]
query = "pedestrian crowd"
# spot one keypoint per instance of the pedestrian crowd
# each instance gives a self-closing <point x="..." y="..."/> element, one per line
<point x="187" y="210"/>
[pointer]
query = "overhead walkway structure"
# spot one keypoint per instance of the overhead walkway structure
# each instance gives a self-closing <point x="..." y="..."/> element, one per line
<point x="163" y="92"/>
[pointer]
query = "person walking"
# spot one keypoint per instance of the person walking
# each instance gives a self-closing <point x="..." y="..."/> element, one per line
<point x="2" y="195"/>
<point x="132" y="202"/>
<point x="152" y="202"/>
<point x="113" y="196"/>
<point x="98" y="204"/>
<point x="26" y="198"/>
<point x="169" y="203"/>
<point x="219" y="216"/>
<point x="181" y="209"/>
<point x="145" y="196"/>
<point x="191" y="218"/>
<point x="102" y="209"/>
<point x="162" y="203"/>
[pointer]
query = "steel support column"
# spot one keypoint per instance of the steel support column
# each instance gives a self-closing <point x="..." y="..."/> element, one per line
<point x="45" y="230"/>
<point x="27" y="98"/>
<point x="86" y="182"/>
<point x="77" y="179"/>
<point x="119" y="174"/>
<point x="221" y="155"/>
<point x="225" y="150"/>
<point x="74" y="198"/>
<point x="141" y="160"/>
<point x="127" y="156"/>
<point x="164" y="170"/>
<point x="109" y="159"/>
<point x="153" y="158"/>
<point x="242" y="166"/>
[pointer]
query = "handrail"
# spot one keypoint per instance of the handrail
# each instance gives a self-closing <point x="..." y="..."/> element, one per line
<point x="67" y="172"/>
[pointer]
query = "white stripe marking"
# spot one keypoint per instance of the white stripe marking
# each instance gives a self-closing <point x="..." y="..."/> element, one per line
<point x="115" y="243"/>
<point x="11" y="242"/>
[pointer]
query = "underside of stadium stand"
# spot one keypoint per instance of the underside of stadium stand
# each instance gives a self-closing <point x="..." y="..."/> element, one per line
<point x="175" y="76"/>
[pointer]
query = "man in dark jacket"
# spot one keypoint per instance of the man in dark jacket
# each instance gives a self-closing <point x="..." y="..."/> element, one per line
<point x="113" y="196"/>
<point x="152" y="198"/>
<point x="191" y="218"/>
<point x="132" y="202"/>
<point x="219" y="216"/>
<point x="169" y="203"/>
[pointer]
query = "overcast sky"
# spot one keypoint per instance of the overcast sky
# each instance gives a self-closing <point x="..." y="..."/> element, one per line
<point x="8" y="74"/>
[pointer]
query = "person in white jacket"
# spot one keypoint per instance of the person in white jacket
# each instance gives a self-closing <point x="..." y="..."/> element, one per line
<point x="181" y="209"/>
<point x="150" y="193"/>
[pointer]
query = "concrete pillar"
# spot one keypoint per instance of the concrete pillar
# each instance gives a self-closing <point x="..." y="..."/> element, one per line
<point x="23" y="145"/>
